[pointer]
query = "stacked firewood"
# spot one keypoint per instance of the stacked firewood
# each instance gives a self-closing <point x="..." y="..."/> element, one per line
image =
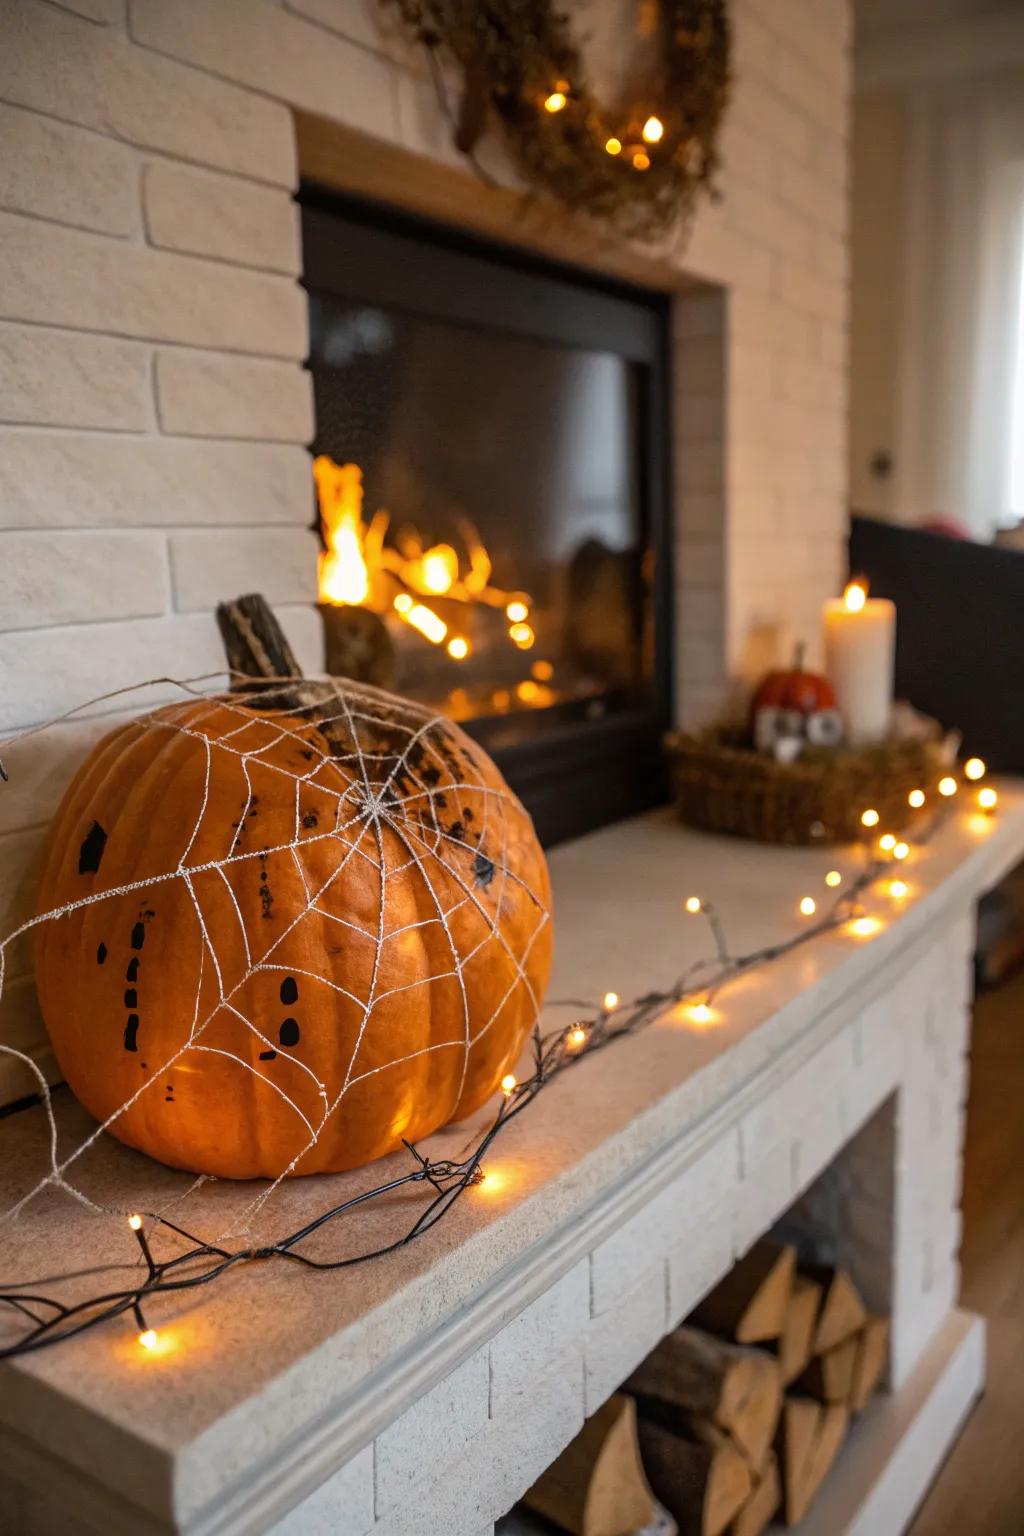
<point x="741" y="1412"/>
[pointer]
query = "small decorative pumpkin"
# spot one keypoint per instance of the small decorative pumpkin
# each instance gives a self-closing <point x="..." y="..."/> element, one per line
<point x="794" y="707"/>
<point x="300" y="925"/>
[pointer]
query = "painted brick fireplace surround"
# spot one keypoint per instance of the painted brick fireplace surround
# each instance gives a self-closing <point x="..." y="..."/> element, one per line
<point x="152" y="332"/>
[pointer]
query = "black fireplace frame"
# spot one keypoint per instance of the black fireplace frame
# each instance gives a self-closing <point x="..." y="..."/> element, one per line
<point x="578" y="775"/>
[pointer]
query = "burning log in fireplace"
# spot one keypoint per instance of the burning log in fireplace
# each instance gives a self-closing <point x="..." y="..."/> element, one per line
<point x="427" y="618"/>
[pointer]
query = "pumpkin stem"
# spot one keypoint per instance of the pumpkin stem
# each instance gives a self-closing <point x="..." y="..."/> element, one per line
<point x="254" y="641"/>
<point x="799" y="652"/>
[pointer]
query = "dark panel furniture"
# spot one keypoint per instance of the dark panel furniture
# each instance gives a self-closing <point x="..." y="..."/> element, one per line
<point x="959" y="630"/>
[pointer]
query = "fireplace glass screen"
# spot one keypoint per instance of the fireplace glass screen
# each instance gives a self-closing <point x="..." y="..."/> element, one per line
<point x="488" y="463"/>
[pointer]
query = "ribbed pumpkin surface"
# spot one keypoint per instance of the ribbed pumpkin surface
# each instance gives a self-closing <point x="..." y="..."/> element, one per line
<point x="295" y="937"/>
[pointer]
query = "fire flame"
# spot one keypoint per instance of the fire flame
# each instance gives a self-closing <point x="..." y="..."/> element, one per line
<point x="344" y="576"/>
<point x="359" y="569"/>
<point x="439" y="569"/>
<point x="855" y="596"/>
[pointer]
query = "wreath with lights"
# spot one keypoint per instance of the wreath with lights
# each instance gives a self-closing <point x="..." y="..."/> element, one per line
<point x="638" y="165"/>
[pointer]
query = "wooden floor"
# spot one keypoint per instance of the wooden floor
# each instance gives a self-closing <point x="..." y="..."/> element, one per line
<point x="980" y="1491"/>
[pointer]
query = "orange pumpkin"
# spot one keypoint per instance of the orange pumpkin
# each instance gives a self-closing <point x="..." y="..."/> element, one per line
<point x="794" y="689"/>
<point x="295" y="936"/>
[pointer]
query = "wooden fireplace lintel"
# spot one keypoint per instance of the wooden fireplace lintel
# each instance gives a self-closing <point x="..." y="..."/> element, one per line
<point x="345" y="160"/>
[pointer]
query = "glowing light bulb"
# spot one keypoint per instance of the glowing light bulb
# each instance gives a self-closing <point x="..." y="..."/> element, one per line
<point x="808" y="906"/>
<point x="508" y="1083"/>
<point x="916" y="799"/>
<point x="641" y="162"/>
<point x="555" y="102"/>
<point x="458" y="648"/>
<point x="833" y="878"/>
<point x="576" y="1038"/>
<point x="947" y="786"/>
<point x="610" y="1002"/>
<point x="543" y="671"/>
<point x="613" y="146"/>
<point x="522" y="635"/>
<point x="653" y="130"/>
<point x="516" y="611"/>
<point x="855" y="596"/>
<point x="869" y="818"/>
<point x="693" y="905"/>
<point x="135" y="1222"/>
<point x="864" y="927"/>
<point x="974" y="769"/>
<point x="901" y="851"/>
<point x="403" y="603"/>
<point x="887" y="842"/>
<point x="897" y="889"/>
<point x="987" y="798"/>
<point x="700" y="1013"/>
<point x="148" y="1338"/>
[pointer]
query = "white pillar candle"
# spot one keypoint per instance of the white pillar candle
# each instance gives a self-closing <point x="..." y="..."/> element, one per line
<point x="860" y="646"/>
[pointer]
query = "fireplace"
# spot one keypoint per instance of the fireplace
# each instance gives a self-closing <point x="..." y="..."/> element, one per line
<point x="492" y="468"/>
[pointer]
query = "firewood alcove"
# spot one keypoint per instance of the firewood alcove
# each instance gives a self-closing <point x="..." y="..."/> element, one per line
<point x="733" y="1422"/>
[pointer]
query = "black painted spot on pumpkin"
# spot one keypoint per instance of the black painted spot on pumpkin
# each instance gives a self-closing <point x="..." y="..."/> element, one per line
<point x="131" y="998"/>
<point x="268" y="1055"/>
<point x="138" y="935"/>
<point x="288" y="1034"/>
<point x="441" y="801"/>
<point x="311" y="819"/>
<point x="467" y="813"/>
<point x="457" y="831"/>
<point x="131" y="1032"/>
<point x="289" y="991"/>
<point x="101" y="954"/>
<point x="132" y="973"/>
<point x="483" y="869"/>
<point x="431" y="774"/>
<point x="91" y="851"/>
<point x="266" y="895"/>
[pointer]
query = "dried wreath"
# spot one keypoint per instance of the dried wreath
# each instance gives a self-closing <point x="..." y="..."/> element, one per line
<point x="639" y="165"/>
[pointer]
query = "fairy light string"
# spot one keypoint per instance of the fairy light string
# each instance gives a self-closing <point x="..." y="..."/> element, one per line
<point x="176" y="1261"/>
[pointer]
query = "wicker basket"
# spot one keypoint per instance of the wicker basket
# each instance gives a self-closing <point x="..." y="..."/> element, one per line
<point x="722" y="785"/>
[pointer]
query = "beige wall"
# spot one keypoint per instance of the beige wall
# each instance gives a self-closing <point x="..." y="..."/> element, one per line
<point x="878" y="232"/>
<point x="153" y="408"/>
<point x="938" y="129"/>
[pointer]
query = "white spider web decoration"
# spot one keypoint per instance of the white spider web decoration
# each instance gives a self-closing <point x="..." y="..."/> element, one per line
<point x="325" y="779"/>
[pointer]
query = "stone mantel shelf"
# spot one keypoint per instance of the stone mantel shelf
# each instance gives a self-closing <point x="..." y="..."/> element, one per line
<point x="276" y="1377"/>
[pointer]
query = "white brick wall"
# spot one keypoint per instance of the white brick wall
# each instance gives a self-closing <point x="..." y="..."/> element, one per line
<point x="207" y="214"/>
<point x="152" y="330"/>
<point x="421" y="1445"/>
<point x="64" y="378"/>
<point x="208" y="394"/>
<point x="57" y="172"/>
<point x="59" y="276"/>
